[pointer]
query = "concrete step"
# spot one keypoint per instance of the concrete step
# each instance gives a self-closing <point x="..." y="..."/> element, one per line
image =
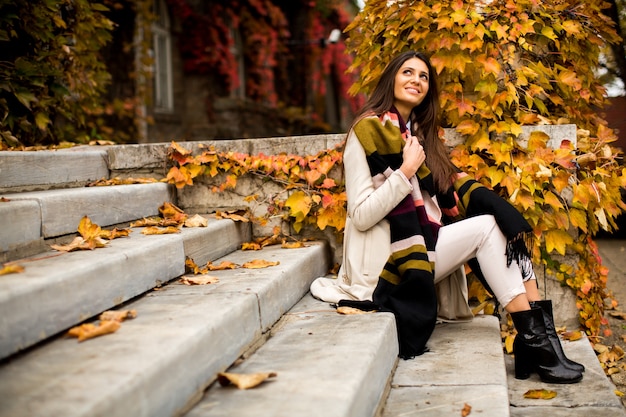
<point x="160" y="362"/>
<point x="58" y="290"/>
<point x="464" y="365"/>
<point x="326" y="364"/>
<point x="42" y="170"/>
<point x="593" y="396"/>
<point x="30" y="217"/>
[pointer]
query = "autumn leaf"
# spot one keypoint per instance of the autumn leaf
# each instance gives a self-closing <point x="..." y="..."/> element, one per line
<point x="11" y="269"/>
<point x="292" y="245"/>
<point x="170" y="212"/>
<point x="237" y="215"/>
<point x="466" y="411"/>
<point x="540" y="394"/>
<point x="618" y="314"/>
<point x="117" y="315"/>
<point x="114" y="234"/>
<point x="347" y="311"/>
<point x="155" y="230"/>
<point x="79" y="243"/>
<point x="251" y="246"/>
<point x="192" y="267"/>
<point x="572" y="335"/>
<point x="244" y="381"/>
<point x="199" y="279"/>
<point x="222" y="266"/>
<point x="89" y="330"/>
<point x="149" y="221"/>
<point x="196" y="221"/>
<point x="259" y="263"/>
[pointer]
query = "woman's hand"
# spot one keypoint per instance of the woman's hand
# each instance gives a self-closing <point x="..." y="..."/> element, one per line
<point x="413" y="156"/>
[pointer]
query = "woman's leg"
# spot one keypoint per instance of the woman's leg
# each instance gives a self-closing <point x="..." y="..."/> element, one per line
<point x="479" y="237"/>
<point x="535" y="348"/>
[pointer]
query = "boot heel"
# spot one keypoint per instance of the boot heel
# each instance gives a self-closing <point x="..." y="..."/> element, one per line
<point x="523" y="364"/>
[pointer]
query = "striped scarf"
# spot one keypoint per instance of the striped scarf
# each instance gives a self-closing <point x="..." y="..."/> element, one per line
<point x="406" y="284"/>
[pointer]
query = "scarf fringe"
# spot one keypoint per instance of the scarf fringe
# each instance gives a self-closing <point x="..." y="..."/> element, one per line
<point x="519" y="249"/>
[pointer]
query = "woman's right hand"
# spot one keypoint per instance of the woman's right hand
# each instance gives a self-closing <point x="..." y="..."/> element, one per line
<point x="413" y="156"/>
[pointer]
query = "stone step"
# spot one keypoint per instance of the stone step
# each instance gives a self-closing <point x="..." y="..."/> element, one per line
<point x="58" y="290"/>
<point x="28" y="218"/>
<point x="464" y="365"/>
<point x="159" y="363"/>
<point x="326" y="364"/>
<point x="42" y="170"/>
<point x="593" y="396"/>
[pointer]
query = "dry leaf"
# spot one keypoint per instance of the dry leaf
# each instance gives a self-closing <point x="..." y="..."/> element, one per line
<point x="155" y="230"/>
<point x="618" y="314"/>
<point x="89" y="331"/>
<point x="222" y="266"/>
<point x="292" y="245"/>
<point x="467" y="409"/>
<point x="196" y="221"/>
<point x="79" y="243"/>
<point x="118" y="315"/>
<point x="11" y="269"/>
<point x="237" y="215"/>
<point x="171" y="212"/>
<point x="540" y="394"/>
<point x="121" y="181"/>
<point x="259" y="263"/>
<point x="149" y="221"/>
<point x="243" y="381"/>
<point x="4" y="200"/>
<point x="250" y="246"/>
<point x="113" y="234"/>
<point x="351" y="310"/>
<point x="572" y="335"/>
<point x="192" y="267"/>
<point x="199" y="280"/>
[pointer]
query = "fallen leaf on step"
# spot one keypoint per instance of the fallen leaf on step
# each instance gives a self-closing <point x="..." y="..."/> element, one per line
<point x="196" y="221"/>
<point x="466" y="411"/>
<point x="171" y="212"/>
<point x="250" y="246"/>
<point x="237" y="215"/>
<point x="243" y="381"/>
<point x="114" y="233"/>
<point x="292" y="245"/>
<point x="540" y="394"/>
<point x="118" y="315"/>
<point x="192" y="267"/>
<point x="572" y="335"/>
<point x="89" y="330"/>
<point x="222" y="266"/>
<point x="351" y="310"/>
<point x="80" y="243"/>
<point x="618" y="314"/>
<point x="11" y="269"/>
<point x="259" y="263"/>
<point x="4" y="200"/>
<point x="155" y="230"/>
<point x="121" y="181"/>
<point x="619" y="393"/>
<point x="199" y="279"/>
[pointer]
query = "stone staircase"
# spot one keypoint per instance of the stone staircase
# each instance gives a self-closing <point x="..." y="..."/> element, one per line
<point x="165" y="362"/>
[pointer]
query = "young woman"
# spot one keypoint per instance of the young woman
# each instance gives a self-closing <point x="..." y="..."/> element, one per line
<point x="414" y="220"/>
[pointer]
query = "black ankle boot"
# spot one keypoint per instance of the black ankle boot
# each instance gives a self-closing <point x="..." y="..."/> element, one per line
<point x="534" y="352"/>
<point x="548" y="320"/>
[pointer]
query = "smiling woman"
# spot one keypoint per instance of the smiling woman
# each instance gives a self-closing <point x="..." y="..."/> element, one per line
<point x="414" y="220"/>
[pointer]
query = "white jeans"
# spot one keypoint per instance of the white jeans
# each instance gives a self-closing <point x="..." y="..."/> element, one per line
<point x="479" y="237"/>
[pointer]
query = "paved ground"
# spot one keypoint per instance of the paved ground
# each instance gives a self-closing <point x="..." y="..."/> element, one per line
<point x="613" y="253"/>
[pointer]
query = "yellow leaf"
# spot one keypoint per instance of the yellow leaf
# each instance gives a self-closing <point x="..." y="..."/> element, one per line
<point x="299" y="204"/>
<point x="199" y="279"/>
<point x="292" y="245"/>
<point x="552" y="200"/>
<point x="259" y="263"/>
<point x="557" y="240"/>
<point x="89" y="331"/>
<point x="572" y="336"/>
<point x="348" y="311"/>
<point x="11" y="269"/>
<point x="155" y="230"/>
<point x="540" y="394"/>
<point x="251" y="246"/>
<point x="118" y="315"/>
<point x="222" y="266"/>
<point x="244" y="381"/>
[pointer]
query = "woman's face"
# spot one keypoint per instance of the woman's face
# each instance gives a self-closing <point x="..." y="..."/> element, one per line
<point x="410" y="86"/>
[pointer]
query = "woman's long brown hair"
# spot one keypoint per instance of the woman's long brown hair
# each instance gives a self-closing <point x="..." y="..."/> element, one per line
<point x="424" y="118"/>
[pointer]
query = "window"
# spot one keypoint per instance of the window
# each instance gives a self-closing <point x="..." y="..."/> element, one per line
<point x="163" y="94"/>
